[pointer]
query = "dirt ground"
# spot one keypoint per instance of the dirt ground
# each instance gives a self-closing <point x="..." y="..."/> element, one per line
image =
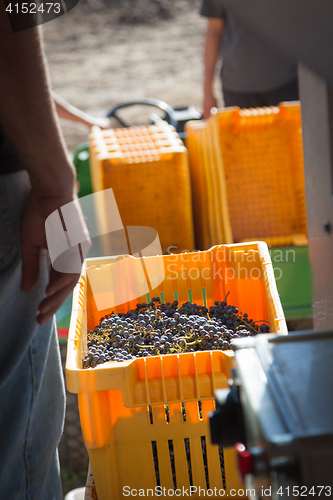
<point x="105" y="52"/>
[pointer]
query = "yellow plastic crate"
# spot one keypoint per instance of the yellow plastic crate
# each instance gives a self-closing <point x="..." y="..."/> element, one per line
<point x="210" y="209"/>
<point x="258" y="155"/>
<point x="201" y="219"/>
<point x="263" y="164"/>
<point x="147" y="168"/>
<point x="132" y="410"/>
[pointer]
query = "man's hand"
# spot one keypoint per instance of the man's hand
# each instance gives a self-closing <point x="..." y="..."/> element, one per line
<point x="33" y="240"/>
<point x="209" y="103"/>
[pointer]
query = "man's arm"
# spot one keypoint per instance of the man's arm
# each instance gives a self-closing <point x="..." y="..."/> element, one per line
<point x="67" y="111"/>
<point x="27" y="113"/>
<point x="29" y="120"/>
<point x="213" y="41"/>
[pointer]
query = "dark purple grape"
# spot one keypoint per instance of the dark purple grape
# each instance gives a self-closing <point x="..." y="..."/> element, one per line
<point x="154" y="328"/>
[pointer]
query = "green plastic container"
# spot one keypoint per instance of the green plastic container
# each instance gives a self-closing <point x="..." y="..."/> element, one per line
<point x="294" y="280"/>
<point x="81" y="163"/>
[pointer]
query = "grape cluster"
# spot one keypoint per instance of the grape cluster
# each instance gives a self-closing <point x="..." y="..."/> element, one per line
<point x="154" y="328"/>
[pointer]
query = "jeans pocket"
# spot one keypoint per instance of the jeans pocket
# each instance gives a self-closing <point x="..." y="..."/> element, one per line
<point x="9" y="246"/>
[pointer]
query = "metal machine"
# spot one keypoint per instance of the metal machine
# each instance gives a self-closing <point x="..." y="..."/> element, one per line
<point x="279" y="414"/>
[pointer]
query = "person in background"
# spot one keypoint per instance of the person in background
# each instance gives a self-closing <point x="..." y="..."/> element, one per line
<point x="67" y="111"/>
<point x="36" y="179"/>
<point x="253" y="73"/>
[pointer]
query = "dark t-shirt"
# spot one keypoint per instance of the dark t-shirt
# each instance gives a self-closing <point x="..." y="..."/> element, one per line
<point x="250" y="63"/>
<point x="9" y="161"/>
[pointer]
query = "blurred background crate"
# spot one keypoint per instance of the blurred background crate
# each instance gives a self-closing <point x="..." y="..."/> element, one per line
<point x="256" y="165"/>
<point x="254" y="190"/>
<point x="147" y="168"/>
<point x="209" y="192"/>
<point x="263" y="166"/>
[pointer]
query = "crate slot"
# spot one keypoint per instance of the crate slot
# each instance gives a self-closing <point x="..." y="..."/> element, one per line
<point x="222" y="466"/>
<point x="150" y="413"/>
<point x="188" y="457"/>
<point x="205" y="461"/>
<point x="183" y="410"/>
<point x="199" y="410"/>
<point x="167" y="414"/>
<point x="172" y="462"/>
<point x="155" y="459"/>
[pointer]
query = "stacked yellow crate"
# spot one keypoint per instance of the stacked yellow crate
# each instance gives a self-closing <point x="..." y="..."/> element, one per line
<point x="255" y="157"/>
<point x="147" y="168"/>
<point x="209" y="197"/>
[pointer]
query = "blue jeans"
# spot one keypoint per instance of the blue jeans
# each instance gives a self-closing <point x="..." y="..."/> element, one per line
<point x="32" y="397"/>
